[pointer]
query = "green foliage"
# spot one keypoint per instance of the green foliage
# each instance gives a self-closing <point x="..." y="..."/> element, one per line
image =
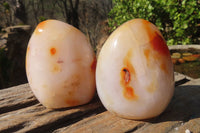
<point x="6" y="6"/>
<point x="177" y="20"/>
<point x="42" y="18"/>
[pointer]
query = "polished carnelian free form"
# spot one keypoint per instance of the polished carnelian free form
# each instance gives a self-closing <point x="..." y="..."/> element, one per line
<point x="134" y="74"/>
<point x="60" y="65"/>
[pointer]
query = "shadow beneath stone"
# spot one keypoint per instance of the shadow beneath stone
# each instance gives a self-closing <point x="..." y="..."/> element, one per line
<point x="93" y="102"/>
<point x="184" y="106"/>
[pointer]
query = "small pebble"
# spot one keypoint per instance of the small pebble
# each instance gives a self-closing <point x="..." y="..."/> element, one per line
<point x="187" y="131"/>
<point x="187" y="54"/>
<point x="176" y="55"/>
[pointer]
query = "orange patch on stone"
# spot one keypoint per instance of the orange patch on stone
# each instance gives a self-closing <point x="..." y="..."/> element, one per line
<point x="164" y="68"/>
<point x="146" y="53"/>
<point x="72" y="102"/>
<point x="73" y="82"/>
<point x="127" y="62"/>
<point x="126" y="76"/>
<point x="129" y="93"/>
<point x="53" y="51"/>
<point x="39" y="29"/>
<point x="159" y="45"/>
<point x="27" y="52"/>
<point x="93" y="65"/>
<point x="56" y="68"/>
<point x="71" y="92"/>
<point x="156" y="40"/>
<point x="28" y="49"/>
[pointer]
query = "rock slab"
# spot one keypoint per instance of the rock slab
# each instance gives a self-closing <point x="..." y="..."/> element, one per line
<point x="21" y="112"/>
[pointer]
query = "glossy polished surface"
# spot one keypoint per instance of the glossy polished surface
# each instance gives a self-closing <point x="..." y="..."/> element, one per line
<point x="134" y="73"/>
<point x="60" y="65"/>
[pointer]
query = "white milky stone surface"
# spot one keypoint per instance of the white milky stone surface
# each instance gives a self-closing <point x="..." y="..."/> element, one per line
<point x="60" y="65"/>
<point x="134" y="74"/>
